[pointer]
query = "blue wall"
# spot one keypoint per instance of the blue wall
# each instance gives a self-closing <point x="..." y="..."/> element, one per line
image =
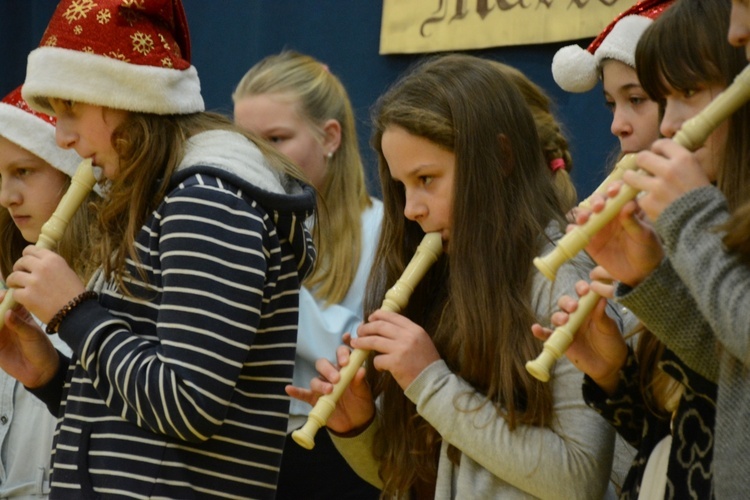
<point x="229" y="36"/>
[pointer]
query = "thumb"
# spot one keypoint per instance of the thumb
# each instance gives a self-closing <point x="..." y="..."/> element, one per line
<point x="22" y="323"/>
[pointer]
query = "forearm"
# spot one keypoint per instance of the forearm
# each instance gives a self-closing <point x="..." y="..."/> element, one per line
<point x="717" y="280"/>
<point x="624" y="408"/>
<point x="537" y="460"/>
<point x="51" y="393"/>
<point x="357" y="451"/>
<point x="665" y="305"/>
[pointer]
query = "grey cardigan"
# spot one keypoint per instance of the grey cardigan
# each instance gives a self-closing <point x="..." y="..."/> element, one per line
<point x="698" y="303"/>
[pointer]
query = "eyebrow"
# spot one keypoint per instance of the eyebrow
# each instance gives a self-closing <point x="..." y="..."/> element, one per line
<point x="626" y="88"/>
<point x="277" y="129"/>
<point x="27" y="162"/>
<point x="416" y="171"/>
<point x="633" y="85"/>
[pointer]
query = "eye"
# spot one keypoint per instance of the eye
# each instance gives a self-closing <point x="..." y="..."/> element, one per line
<point x="66" y="105"/>
<point x="688" y="93"/>
<point x="425" y="179"/>
<point x="62" y="106"/>
<point x="275" y="139"/>
<point x="610" y="105"/>
<point x="637" y="100"/>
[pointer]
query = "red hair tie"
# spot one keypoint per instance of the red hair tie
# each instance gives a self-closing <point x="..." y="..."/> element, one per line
<point x="557" y="164"/>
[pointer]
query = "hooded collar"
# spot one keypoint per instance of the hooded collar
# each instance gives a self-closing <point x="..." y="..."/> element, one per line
<point x="233" y="153"/>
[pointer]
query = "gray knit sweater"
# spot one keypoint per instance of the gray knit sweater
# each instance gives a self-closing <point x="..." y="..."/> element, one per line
<point x="698" y="303"/>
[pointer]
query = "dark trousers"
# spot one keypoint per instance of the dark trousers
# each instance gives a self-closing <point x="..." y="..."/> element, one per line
<point x="320" y="473"/>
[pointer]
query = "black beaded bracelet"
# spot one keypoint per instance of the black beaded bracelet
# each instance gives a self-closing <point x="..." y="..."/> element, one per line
<point x="54" y="323"/>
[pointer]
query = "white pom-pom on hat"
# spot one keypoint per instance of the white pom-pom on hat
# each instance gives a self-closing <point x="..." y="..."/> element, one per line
<point x="574" y="69"/>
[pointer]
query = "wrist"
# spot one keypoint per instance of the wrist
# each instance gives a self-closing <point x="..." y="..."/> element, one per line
<point x="610" y="381"/>
<point x="54" y="324"/>
<point x="608" y="384"/>
<point x="354" y="431"/>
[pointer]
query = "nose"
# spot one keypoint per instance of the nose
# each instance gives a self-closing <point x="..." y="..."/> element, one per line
<point x="414" y="209"/>
<point x="670" y="122"/>
<point x="739" y="26"/>
<point x="621" y="126"/>
<point x="9" y="196"/>
<point x="65" y="137"/>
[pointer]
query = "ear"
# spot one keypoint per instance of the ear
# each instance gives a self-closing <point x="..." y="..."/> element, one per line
<point x="331" y="135"/>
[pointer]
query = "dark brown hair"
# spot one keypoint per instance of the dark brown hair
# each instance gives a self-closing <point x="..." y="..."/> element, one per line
<point x="684" y="49"/>
<point x="474" y="303"/>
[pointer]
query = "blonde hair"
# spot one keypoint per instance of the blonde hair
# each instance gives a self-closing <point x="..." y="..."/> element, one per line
<point x="661" y="392"/>
<point x="320" y="96"/>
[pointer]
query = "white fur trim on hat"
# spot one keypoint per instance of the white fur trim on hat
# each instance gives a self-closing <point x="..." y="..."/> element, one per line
<point x="36" y="136"/>
<point x="577" y="70"/>
<point x="103" y="81"/>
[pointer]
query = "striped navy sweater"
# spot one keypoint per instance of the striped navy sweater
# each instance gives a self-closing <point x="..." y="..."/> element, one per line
<point x="179" y="392"/>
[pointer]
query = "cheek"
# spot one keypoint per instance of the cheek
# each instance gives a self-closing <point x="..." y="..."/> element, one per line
<point x="647" y="113"/>
<point x="647" y="126"/>
<point x="292" y="150"/>
<point x="47" y="207"/>
<point x="308" y="155"/>
<point x="47" y="189"/>
<point x="445" y="208"/>
<point x="96" y="136"/>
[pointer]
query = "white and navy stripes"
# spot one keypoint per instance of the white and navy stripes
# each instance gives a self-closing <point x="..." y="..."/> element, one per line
<point x="178" y="392"/>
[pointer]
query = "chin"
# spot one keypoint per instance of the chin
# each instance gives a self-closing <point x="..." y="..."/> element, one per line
<point x="31" y="238"/>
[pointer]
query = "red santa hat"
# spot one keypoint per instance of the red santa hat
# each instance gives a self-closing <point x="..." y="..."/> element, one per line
<point x="34" y="132"/>
<point x="132" y="55"/>
<point x="577" y="70"/>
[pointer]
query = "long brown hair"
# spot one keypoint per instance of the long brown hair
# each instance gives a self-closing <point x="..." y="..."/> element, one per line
<point x="504" y="198"/>
<point x="320" y="96"/>
<point x="150" y="148"/>
<point x="551" y="133"/>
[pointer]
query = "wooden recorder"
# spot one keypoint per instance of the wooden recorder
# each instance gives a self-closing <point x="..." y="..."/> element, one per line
<point x="396" y="298"/>
<point x="691" y="135"/>
<point x="81" y="185"/>
<point x="557" y="343"/>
